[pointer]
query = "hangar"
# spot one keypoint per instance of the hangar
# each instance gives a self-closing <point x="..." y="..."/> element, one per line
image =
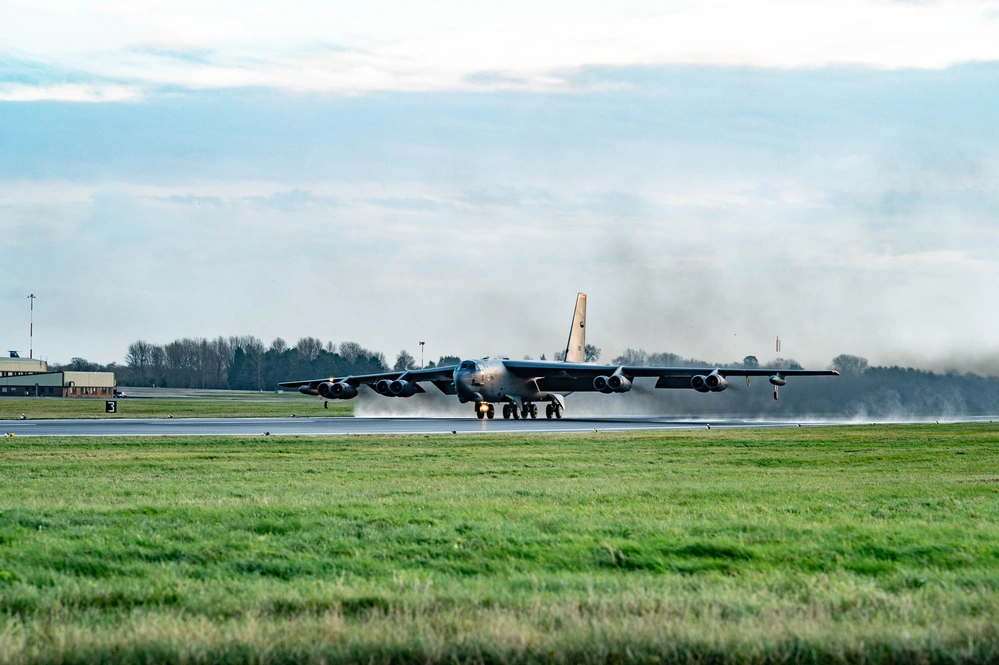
<point x="58" y="384"/>
<point x="24" y="377"/>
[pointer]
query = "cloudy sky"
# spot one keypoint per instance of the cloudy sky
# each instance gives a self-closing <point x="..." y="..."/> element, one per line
<point x="712" y="174"/>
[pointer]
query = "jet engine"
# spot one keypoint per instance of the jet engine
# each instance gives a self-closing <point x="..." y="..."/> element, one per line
<point x="324" y="388"/>
<point x="600" y="383"/>
<point x="715" y="382"/>
<point x="399" y="388"/>
<point x="778" y="380"/>
<point x="619" y="383"/>
<point x="343" y="390"/>
<point x="382" y="387"/>
<point x="699" y="383"/>
<point x="308" y="390"/>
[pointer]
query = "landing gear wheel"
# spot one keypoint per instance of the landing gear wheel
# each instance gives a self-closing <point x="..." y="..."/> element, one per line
<point x="491" y="413"/>
<point x="326" y="405"/>
<point x="506" y="412"/>
<point x="516" y="411"/>
<point x="525" y="413"/>
<point x="549" y="411"/>
<point x="558" y="412"/>
<point x="478" y="411"/>
<point x="534" y="411"/>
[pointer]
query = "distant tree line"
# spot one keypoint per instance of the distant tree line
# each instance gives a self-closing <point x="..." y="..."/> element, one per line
<point x="246" y="363"/>
<point x="241" y="362"/>
<point x="861" y="391"/>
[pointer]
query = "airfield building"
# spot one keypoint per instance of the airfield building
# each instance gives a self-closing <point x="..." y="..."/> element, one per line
<point x="15" y="366"/>
<point x="25" y="377"/>
<point x="58" y="384"/>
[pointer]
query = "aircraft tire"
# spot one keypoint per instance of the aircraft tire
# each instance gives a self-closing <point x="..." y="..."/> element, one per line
<point x="506" y="412"/>
<point x="558" y="412"/>
<point x="326" y="405"/>
<point x="491" y="413"/>
<point x="534" y="411"/>
<point x="549" y="411"/>
<point x="516" y="412"/>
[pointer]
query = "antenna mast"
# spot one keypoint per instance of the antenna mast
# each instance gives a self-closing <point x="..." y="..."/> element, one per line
<point x="31" y="329"/>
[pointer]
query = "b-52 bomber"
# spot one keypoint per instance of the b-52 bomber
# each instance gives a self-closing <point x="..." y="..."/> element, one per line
<point x="520" y="385"/>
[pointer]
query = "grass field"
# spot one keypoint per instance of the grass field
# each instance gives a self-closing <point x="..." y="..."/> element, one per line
<point x="267" y="406"/>
<point x="850" y="544"/>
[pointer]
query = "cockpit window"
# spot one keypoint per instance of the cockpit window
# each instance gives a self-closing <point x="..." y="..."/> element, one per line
<point x="468" y="365"/>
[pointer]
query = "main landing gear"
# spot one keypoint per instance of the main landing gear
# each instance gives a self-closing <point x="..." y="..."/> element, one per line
<point x="529" y="410"/>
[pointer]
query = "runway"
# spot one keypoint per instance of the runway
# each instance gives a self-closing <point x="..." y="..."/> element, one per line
<point x="345" y="426"/>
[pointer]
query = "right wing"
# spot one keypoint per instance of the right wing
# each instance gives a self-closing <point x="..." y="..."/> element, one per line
<point x="442" y="377"/>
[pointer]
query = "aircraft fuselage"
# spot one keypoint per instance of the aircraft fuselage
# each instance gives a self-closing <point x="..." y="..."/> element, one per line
<point x="488" y="380"/>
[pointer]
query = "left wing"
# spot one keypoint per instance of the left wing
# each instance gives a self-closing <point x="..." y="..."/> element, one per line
<point x="580" y="377"/>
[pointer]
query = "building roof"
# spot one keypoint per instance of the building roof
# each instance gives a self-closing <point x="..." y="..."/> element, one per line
<point x="24" y="365"/>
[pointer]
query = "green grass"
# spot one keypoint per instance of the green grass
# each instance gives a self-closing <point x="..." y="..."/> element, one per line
<point x="851" y="544"/>
<point x="268" y="406"/>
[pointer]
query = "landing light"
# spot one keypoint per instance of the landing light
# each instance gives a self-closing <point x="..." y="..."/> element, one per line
<point x="484" y="408"/>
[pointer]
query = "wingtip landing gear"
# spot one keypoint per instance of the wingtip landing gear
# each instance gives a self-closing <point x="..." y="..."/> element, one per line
<point x="554" y="409"/>
<point x="326" y="404"/>
<point x="775" y="392"/>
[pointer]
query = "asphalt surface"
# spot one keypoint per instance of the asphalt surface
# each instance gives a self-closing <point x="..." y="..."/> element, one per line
<point x="343" y="426"/>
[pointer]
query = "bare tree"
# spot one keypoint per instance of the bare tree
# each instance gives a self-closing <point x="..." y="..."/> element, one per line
<point x="82" y="365"/>
<point x="139" y="358"/>
<point x="222" y="356"/>
<point x="278" y="345"/>
<point x="309" y="347"/>
<point x="404" y="361"/>
<point x="254" y="350"/>
<point x="349" y="351"/>
<point x="592" y="353"/>
<point x="157" y="363"/>
<point x="178" y="363"/>
<point x="849" y="365"/>
<point x="633" y="357"/>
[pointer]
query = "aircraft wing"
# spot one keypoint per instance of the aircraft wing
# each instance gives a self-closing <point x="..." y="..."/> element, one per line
<point x="561" y="376"/>
<point x="442" y="377"/>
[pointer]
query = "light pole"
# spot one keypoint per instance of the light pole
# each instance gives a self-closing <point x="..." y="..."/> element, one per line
<point x="31" y="329"/>
<point x="421" y="354"/>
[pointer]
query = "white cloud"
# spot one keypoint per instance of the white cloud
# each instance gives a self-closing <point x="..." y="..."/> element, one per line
<point x="356" y="47"/>
<point x="68" y="92"/>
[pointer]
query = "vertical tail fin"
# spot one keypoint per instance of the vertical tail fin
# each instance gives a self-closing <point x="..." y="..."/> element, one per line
<point x="575" y="350"/>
